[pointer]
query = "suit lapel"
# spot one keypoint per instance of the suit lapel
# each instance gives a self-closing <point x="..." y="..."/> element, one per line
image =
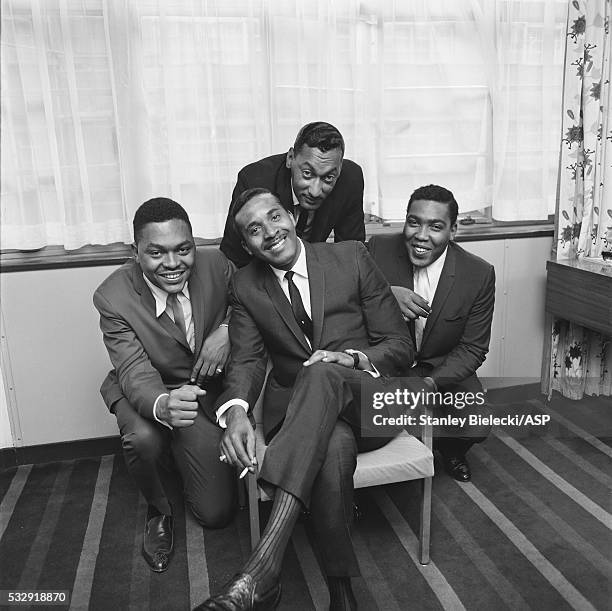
<point x="316" y="281"/>
<point x="148" y="303"/>
<point x="200" y="307"/>
<point x="445" y="285"/>
<point x="404" y="275"/>
<point x="321" y="223"/>
<point x="282" y="306"/>
<point x="283" y="188"/>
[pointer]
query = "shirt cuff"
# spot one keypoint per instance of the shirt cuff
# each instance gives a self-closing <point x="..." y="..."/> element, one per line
<point x="221" y="410"/>
<point x="373" y="371"/>
<point x="164" y="394"/>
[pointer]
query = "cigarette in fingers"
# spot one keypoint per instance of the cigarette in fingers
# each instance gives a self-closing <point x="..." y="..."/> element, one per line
<point x="243" y="473"/>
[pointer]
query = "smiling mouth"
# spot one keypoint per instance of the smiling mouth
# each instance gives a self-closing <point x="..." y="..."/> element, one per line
<point x="277" y="244"/>
<point x="172" y="276"/>
<point x="420" y="250"/>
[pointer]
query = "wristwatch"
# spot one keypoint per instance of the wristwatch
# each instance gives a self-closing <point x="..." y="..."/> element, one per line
<point x="355" y="358"/>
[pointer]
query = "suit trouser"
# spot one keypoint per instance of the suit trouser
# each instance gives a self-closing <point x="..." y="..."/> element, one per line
<point x="209" y="486"/>
<point x="314" y="454"/>
<point x="455" y="440"/>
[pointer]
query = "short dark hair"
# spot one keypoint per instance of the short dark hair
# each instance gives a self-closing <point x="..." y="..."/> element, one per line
<point x="437" y="194"/>
<point x="158" y="210"/>
<point x="245" y="197"/>
<point x="320" y="135"/>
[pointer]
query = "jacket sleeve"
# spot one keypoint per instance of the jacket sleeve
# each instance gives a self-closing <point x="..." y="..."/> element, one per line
<point x="350" y="224"/>
<point x="138" y="380"/>
<point x="465" y="358"/>
<point x="246" y="370"/>
<point x="391" y="350"/>
<point x="231" y="243"/>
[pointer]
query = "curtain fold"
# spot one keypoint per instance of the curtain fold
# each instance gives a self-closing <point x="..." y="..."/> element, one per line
<point x="581" y="360"/>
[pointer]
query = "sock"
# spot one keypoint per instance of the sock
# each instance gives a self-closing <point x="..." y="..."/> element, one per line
<point x="341" y="597"/>
<point x="265" y="562"/>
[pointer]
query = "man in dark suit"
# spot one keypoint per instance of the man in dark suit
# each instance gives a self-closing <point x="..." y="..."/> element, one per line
<point x="325" y="317"/>
<point x="163" y="318"/>
<point x="313" y="181"/>
<point x="446" y="294"/>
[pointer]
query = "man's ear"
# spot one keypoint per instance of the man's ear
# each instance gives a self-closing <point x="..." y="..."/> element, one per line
<point x="290" y="158"/>
<point x="453" y="231"/>
<point x="135" y="251"/>
<point x="246" y="247"/>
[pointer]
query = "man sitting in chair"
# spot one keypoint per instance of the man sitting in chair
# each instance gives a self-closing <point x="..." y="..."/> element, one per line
<point x="327" y="320"/>
<point x="163" y="315"/>
<point x="446" y="296"/>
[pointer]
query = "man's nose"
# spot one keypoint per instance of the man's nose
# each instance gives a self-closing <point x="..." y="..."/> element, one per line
<point x="315" y="188"/>
<point x="171" y="260"/>
<point x="422" y="233"/>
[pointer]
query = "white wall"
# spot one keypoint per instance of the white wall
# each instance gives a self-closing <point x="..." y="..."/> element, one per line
<point x="57" y="358"/>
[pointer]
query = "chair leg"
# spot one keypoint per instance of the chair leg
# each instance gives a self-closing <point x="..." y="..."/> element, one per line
<point x="425" y="522"/>
<point x="253" y="508"/>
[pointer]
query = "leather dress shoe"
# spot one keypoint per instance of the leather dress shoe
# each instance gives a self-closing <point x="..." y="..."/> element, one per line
<point x="158" y="542"/>
<point x="457" y="467"/>
<point x="239" y="595"/>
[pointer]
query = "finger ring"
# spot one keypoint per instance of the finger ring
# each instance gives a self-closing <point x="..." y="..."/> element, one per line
<point x="219" y="370"/>
<point x="223" y="458"/>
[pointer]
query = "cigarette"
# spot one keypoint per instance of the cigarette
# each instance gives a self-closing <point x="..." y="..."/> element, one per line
<point x="244" y="472"/>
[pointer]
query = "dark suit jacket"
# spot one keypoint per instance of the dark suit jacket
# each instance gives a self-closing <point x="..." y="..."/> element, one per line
<point x="342" y="211"/>
<point x="456" y="337"/>
<point x="150" y="355"/>
<point x="352" y="307"/>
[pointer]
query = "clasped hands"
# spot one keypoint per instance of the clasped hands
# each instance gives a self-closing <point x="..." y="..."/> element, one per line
<point x="213" y="356"/>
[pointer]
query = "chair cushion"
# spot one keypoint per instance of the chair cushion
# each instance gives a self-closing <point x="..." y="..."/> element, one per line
<point x="404" y="458"/>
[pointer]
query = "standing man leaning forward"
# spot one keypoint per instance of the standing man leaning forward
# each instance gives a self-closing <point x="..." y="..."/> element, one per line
<point x="446" y="294"/>
<point x="314" y="182"/>
<point x="327" y="320"/>
<point x="163" y="317"/>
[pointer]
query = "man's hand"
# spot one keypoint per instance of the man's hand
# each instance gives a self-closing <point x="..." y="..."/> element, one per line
<point x="411" y="304"/>
<point x="330" y="357"/>
<point x="213" y="356"/>
<point x="238" y="441"/>
<point x="180" y="408"/>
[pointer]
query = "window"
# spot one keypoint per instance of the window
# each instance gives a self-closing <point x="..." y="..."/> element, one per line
<point x="106" y="104"/>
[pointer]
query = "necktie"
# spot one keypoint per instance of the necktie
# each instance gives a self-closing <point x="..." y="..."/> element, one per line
<point x="297" y="305"/>
<point x="421" y="287"/>
<point x="177" y="311"/>
<point x="300" y="226"/>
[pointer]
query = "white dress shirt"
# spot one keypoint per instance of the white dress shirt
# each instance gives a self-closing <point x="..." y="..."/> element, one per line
<point x="426" y="281"/>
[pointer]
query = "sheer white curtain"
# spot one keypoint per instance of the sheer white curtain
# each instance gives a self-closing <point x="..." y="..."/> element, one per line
<point x="106" y="103"/>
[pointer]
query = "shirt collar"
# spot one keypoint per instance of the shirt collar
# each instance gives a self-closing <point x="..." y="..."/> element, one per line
<point x="161" y="296"/>
<point x="299" y="267"/>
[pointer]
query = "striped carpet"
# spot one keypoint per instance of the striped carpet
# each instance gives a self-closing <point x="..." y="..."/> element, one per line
<point x="531" y="531"/>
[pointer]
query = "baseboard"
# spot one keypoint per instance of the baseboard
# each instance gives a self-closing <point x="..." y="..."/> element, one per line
<point x="65" y="450"/>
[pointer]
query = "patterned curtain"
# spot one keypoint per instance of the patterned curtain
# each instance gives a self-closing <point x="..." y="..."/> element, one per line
<point x="581" y="360"/>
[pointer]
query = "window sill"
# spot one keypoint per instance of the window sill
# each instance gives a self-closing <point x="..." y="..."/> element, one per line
<point x="55" y="257"/>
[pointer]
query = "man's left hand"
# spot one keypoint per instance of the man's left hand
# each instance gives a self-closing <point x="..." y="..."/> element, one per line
<point x="213" y="356"/>
<point x="330" y="357"/>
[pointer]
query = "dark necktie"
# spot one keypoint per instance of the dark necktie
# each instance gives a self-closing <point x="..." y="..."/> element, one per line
<point x="300" y="226"/>
<point x="297" y="305"/>
<point x="177" y="310"/>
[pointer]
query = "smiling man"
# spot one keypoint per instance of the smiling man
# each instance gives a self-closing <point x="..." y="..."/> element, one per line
<point x="163" y="316"/>
<point x="446" y="296"/>
<point x="326" y="319"/>
<point x="322" y="190"/>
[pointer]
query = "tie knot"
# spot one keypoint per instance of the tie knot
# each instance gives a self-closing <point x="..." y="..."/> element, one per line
<point x="289" y="276"/>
